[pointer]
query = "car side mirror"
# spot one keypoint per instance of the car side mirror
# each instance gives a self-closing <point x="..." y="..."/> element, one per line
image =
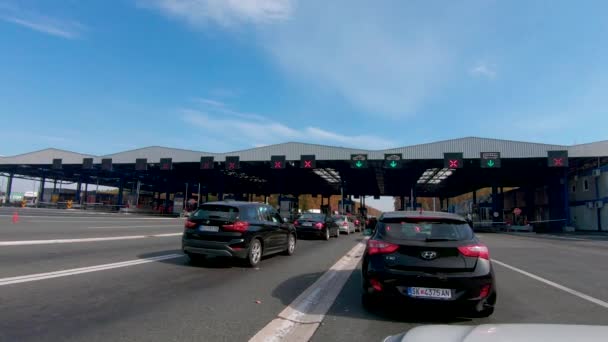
<point x="285" y="220"/>
<point x="367" y="232"/>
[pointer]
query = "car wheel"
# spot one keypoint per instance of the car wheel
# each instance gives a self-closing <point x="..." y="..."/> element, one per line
<point x="291" y="245"/>
<point x="327" y="235"/>
<point x="255" y="253"/>
<point x="487" y="311"/>
<point x="368" y="302"/>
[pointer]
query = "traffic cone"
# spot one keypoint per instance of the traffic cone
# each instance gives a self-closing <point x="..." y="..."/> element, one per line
<point x="15" y="217"/>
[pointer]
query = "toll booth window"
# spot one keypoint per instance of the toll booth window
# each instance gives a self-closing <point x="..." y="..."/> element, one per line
<point x="586" y="185"/>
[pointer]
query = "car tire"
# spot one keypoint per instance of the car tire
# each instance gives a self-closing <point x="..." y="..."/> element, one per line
<point x="291" y="245"/>
<point x="487" y="311"/>
<point x="254" y="255"/>
<point x="368" y="302"/>
<point x="327" y="235"/>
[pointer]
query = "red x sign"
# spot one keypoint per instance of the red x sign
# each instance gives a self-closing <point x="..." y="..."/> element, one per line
<point x="558" y="161"/>
<point x="308" y="164"/>
<point x="278" y="165"/>
<point x="454" y="163"/>
<point x="231" y="166"/>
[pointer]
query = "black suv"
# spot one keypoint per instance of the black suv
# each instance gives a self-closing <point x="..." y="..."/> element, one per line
<point x="243" y="230"/>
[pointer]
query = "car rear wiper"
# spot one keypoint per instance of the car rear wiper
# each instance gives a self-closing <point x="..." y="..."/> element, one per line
<point x="438" y="239"/>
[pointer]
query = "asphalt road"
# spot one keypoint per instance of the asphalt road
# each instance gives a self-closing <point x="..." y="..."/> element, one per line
<point x="146" y="299"/>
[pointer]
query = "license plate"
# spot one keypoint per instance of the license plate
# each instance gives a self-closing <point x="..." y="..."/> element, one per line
<point x="209" y="228"/>
<point x="306" y="224"/>
<point x="425" y="292"/>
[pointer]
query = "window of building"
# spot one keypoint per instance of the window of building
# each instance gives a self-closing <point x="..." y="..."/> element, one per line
<point x="586" y="185"/>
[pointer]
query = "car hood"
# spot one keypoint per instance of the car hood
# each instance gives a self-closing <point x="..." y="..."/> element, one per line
<point x="503" y="333"/>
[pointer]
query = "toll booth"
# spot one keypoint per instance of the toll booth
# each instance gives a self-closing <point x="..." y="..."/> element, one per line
<point x="288" y="207"/>
<point x="363" y="212"/>
<point x="346" y="206"/>
<point x="325" y="209"/>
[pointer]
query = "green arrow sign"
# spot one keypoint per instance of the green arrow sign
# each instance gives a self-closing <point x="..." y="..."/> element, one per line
<point x="393" y="164"/>
<point x="491" y="163"/>
<point x="359" y="163"/>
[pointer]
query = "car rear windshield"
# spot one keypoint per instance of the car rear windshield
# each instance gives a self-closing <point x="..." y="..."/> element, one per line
<point x="339" y="217"/>
<point x="312" y="216"/>
<point x="215" y="212"/>
<point x="425" y="229"/>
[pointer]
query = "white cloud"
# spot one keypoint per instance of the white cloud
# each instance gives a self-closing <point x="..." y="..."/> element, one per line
<point x="267" y="132"/>
<point x="224" y="12"/>
<point x="383" y="59"/>
<point x="483" y="70"/>
<point x="34" y="21"/>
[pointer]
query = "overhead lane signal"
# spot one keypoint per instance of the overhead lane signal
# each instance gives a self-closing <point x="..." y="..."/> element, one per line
<point x="490" y="160"/>
<point x="393" y="160"/>
<point x="141" y="164"/>
<point x="308" y="161"/>
<point x="358" y="161"/>
<point x="232" y="163"/>
<point x="277" y="162"/>
<point x="207" y="163"/>
<point x="166" y="164"/>
<point x="557" y="158"/>
<point x="453" y="160"/>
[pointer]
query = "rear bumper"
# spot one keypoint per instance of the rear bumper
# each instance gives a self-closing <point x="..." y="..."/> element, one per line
<point x="465" y="289"/>
<point x="237" y="248"/>
<point x="308" y="231"/>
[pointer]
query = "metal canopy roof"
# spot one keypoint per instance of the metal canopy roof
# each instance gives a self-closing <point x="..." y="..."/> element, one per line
<point x="471" y="147"/>
<point x="523" y="164"/>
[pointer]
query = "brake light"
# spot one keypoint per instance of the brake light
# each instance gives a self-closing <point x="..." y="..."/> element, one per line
<point x="189" y="224"/>
<point x="238" y="226"/>
<point x="296" y="222"/>
<point x="319" y="225"/>
<point x="376" y="285"/>
<point x="380" y="247"/>
<point x="485" y="291"/>
<point x="344" y="224"/>
<point x="357" y="222"/>
<point x="475" y="251"/>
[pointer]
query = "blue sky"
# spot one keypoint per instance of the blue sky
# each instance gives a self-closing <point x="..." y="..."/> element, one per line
<point x="220" y="75"/>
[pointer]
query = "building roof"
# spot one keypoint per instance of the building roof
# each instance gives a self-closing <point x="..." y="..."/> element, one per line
<point x="471" y="147"/>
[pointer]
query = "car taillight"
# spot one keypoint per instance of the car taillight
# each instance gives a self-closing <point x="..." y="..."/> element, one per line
<point x="380" y="247"/>
<point x="296" y="223"/>
<point x="376" y="285"/>
<point x="238" y="226"/>
<point x="357" y="222"/>
<point x="485" y="291"/>
<point x="189" y="224"/>
<point x="475" y="251"/>
<point x="344" y="224"/>
<point x="319" y="225"/>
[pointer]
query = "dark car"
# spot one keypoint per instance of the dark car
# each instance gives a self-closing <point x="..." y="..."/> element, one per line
<point x="319" y="225"/>
<point x="242" y="230"/>
<point x="428" y="258"/>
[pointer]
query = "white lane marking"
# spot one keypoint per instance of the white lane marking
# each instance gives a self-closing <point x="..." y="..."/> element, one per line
<point x="554" y="284"/>
<point x="110" y="238"/>
<point x="301" y="318"/>
<point x="120" y="227"/>
<point x="74" y="271"/>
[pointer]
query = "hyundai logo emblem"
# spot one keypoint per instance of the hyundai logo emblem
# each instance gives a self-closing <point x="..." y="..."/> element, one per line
<point x="428" y="255"/>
